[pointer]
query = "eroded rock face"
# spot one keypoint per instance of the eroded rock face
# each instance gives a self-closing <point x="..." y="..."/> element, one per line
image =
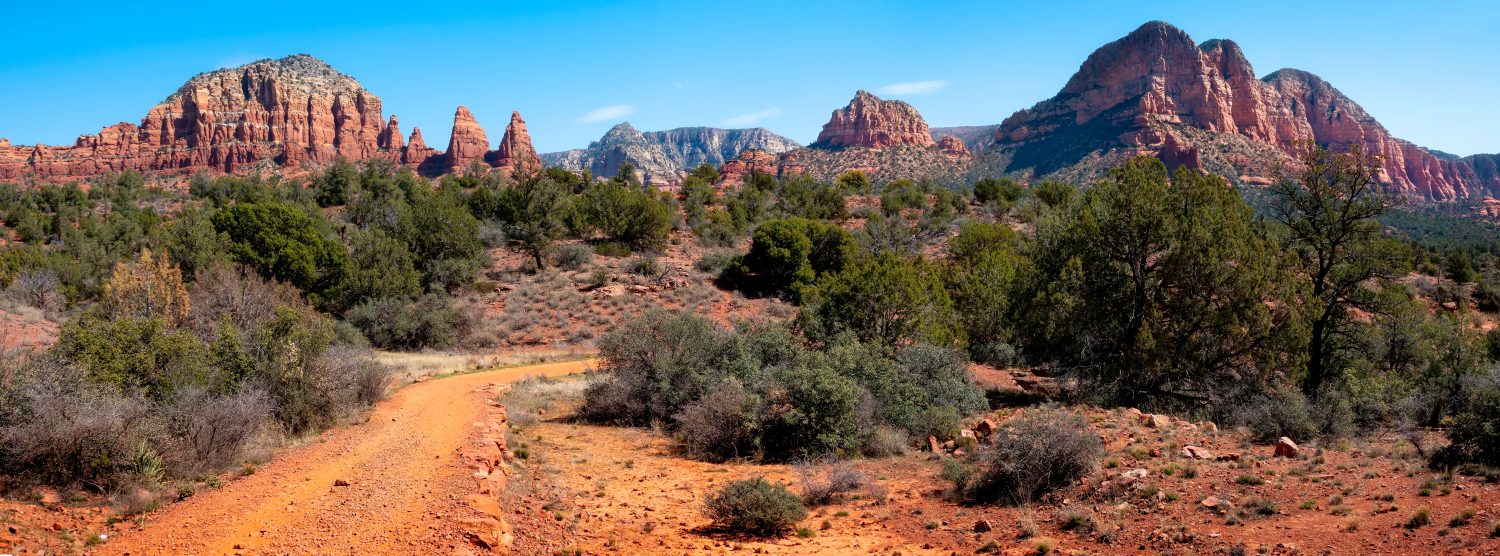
<point x="953" y="147"/>
<point x="871" y="122"/>
<point x="289" y="113"/>
<point x="467" y="143"/>
<point x="750" y="161"/>
<point x="1139" y="92"/>
<point x="286" y="112"/>
<point x="515" y="151"/>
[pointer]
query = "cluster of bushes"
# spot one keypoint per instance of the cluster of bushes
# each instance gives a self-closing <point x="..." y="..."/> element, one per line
<point x="761" y="392"/>
<point x="161" y="380"/>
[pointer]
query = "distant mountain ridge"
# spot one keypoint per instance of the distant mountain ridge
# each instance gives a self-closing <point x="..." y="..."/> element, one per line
<point x="1156" y="92"/>
<point x="666" y="156"/>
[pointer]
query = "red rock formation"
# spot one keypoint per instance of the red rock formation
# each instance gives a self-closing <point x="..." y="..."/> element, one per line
<point x="871" y="122"/>
<point x="515" y="151"/>
<point x="284" y="113"/>
<point x="953" y="147"/>
<point x="288" y="112"/>
<point x="749" y="161"/>
<point x="467" y="143"/>
<point x="416" y="151"/>
<point x="1136" y="92"/>
<point x="390" y="141"/>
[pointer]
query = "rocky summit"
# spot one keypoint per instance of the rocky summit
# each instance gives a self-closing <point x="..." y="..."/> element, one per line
<point x="871" y="122"/>
<point x="274" y="115"/>
<point x="1155" y="91"/>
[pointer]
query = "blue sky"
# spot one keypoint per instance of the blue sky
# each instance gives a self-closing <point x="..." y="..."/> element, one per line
<point x="573" y="69"/>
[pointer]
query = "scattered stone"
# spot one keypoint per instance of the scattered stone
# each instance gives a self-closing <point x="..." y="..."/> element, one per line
<point x="1196" y="452"/>
<point x="932" y="444"/>
<point x="1285" y="448"/>
<point x="1232" y="456"/>
<point x="340" y="483"/>
<point x="983" y="526"/>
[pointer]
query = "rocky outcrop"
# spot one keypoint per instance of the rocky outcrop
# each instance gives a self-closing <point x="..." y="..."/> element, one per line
<point x="515" y="151"/>
<point x="748" y="162"/>
<point x="665" y="157"/>
<point x="416" y="151"/>
<point x="390" y="138"/>
<point x="871" y="122"/>
<point x="276" y="115"/>
<point x="285" y="112"/>
<point x="953" y="147"/>
<point x="1152" y="91"/>
<point x="466" y="144"/>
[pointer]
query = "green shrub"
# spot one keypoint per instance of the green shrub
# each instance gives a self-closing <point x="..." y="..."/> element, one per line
<point x="431" y="321"/>
<point x="573" y="257"/>
<point x="754" y="507"/>
<point x="788" y="255"/>
<point x="819" y="414"/>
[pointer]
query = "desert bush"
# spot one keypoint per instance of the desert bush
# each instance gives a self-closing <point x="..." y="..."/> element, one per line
<point x="720" y="425"/>
<point x="37" y="288"/>
<point x="573" y="257"/>
<point x="62" y="428"/>
<point x="430" y="321"/>
<point x="1269" y="416"/>
<point x="754" y="507"/>
<point x="714" y="262"/>
<point x="813" y="412"/>
<point x="885" y="442"/>
<point x="1475" y="434"/>
<point x="1032" y="455"/>
<point x="211" y="431"/>
<point x="828" y="482"/>
<point x="645" y="266"/>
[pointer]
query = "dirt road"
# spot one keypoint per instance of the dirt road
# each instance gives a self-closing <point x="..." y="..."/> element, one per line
<point x="406" y="484"/>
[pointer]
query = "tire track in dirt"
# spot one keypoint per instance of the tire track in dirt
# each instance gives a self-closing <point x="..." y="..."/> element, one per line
<point x="406" y="490"/>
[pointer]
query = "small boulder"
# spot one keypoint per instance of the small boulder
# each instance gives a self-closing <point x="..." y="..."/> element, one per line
<point x="983" y="526"/>
<point x="1285" y="448"/>
<point x="985" y="427"/>
<point x="340" y="483"/>
<point x="932" y="444"/>
<point x="1232" y="456"/>
<point x="1196" y="452"/>
<point x="1155" y="421"/>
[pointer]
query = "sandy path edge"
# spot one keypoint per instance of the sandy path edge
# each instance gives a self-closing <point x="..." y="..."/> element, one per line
<point x="406" y="478"/>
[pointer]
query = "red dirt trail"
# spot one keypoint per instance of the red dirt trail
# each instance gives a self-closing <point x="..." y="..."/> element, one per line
<point x="405" y="493"/>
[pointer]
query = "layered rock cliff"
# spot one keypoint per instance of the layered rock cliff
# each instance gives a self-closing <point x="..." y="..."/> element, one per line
<point x="1155" y="91"/>
<point x="871" y="122"/>
<point x="665" y="157"/>
<point x="276" y="115"/>
<point x="515" y="151"/>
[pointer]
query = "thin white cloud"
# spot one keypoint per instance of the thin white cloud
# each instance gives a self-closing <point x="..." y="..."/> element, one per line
<point x="753" y="117"/>
<point x="606" y="113"/>
<point x="913" y="88"/>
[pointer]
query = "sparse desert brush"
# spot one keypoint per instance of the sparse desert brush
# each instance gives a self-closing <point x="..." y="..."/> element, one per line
<point x="829" y="481"/>
<point x="1032" y="455"/>
<point x="754" y="507"/>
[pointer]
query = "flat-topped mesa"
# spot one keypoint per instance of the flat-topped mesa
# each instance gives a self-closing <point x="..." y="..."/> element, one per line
<point x="467" y="142"/>
<point x="871" y="122"/>
<point x="1149" y="91"/>
<point x="515" y="151"/>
